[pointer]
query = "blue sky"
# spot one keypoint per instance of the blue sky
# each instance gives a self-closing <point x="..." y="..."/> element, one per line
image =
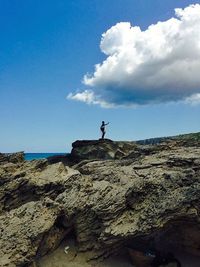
<point x="46" y="48"/>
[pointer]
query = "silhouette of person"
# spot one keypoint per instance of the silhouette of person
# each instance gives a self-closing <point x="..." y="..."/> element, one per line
<point x="102" y="128"/>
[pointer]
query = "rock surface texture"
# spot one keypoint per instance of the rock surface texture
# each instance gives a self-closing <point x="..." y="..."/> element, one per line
<point x="141" y="197"/>
<point x="100" y="149"/>
<point x="13" y="158"/>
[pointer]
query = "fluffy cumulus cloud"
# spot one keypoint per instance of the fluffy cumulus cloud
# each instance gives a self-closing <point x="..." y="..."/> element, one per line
<point x="159" y="64"/>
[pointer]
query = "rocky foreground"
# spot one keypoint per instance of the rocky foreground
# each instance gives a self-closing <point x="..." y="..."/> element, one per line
<point x="110" y="195"/>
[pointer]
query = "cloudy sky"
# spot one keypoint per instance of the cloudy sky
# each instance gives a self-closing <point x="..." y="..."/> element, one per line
<point x="67" y="65"/>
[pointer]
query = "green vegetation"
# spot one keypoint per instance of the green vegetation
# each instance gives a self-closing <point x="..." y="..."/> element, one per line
<point x="190" y="136"/>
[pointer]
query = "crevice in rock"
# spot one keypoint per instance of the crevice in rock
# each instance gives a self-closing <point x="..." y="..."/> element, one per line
<point x="52" y="239"/>
<point x="25" y="193"/>
<point x="180" y="237"/>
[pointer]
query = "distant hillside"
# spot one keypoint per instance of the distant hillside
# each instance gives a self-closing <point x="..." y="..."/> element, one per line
<point x="152" y="141"/>
<point x="192" y="137"/>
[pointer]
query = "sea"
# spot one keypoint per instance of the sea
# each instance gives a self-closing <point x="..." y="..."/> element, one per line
<point x="31" y="156"/>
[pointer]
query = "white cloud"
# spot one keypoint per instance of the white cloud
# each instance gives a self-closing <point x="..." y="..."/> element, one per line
<point x="160" y="64"/>
<point x="89" y="97"/>
<point x="193" y="99"/>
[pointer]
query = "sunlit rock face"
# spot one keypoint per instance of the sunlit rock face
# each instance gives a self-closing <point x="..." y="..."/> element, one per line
<point x="147" y="199"/>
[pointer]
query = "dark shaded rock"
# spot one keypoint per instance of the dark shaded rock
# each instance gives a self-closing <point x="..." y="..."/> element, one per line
<point x="100" y="149"/>
<point x="139" y="259"/>
<point x="65" y="159"/>
<point x="11" y="157"/>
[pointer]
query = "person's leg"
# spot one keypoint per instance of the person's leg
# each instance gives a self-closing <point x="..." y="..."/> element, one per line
<point x="103" y="134"/>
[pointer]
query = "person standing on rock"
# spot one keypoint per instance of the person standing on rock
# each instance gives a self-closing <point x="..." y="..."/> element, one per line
<point x="102" y="128"/>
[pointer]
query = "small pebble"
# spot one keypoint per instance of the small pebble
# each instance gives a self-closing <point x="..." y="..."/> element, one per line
<point x="66" y="249"/>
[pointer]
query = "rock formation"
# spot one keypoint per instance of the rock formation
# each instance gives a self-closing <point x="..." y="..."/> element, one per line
<point x="29" y="221"/>
<point x="141" y="197"/>
<point x="100" y="149"/>
<point x="11" y="157"/>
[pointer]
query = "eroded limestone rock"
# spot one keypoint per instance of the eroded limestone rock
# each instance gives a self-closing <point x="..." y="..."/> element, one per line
<point x="30" y="218"/>
<point x="150" y="200"/>
<point x="22" y="231"/>
<point x="125" y="199"/>
<point x="30" y="181"/>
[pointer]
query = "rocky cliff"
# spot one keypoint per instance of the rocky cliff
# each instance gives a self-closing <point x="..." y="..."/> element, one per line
<point x="113" y="196"/>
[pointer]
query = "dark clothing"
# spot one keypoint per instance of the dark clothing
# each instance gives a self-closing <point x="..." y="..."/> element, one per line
<point x="102" y="128"/>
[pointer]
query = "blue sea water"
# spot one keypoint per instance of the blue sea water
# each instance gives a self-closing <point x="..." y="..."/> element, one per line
<point x="31" y="156"/>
